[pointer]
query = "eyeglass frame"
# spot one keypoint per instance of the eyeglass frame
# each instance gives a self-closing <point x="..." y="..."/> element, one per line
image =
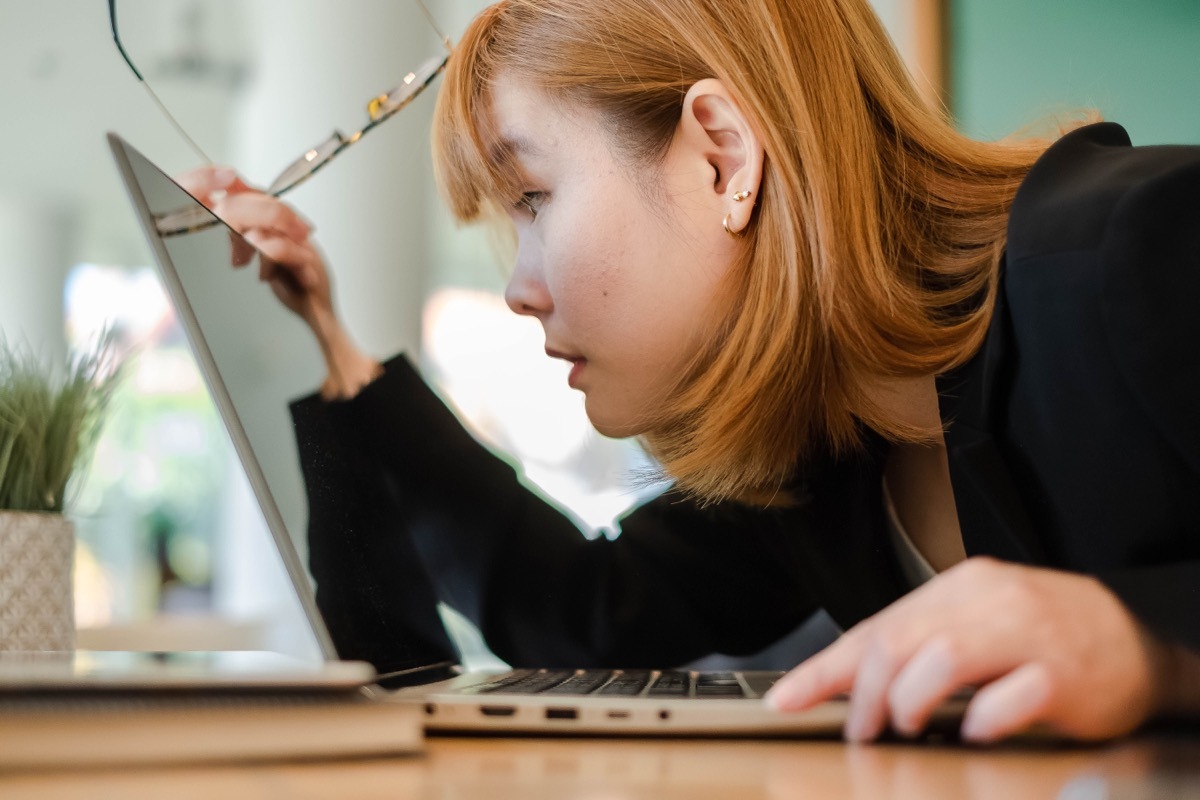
<point x="377" y="112"/>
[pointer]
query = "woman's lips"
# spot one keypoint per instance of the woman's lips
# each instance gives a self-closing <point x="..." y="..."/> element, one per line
<point x="573" y="377"/>
<point x="577" y="365"/>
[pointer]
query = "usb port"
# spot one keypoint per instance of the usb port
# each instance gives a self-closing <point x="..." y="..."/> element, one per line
<point x="562" y="713"/>
<point x="498" y="711"/>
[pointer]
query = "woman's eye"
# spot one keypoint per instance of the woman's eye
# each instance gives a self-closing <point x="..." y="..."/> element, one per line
<point x="531" y="202"/>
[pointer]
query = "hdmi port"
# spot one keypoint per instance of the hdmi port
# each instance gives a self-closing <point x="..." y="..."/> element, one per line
<point x="498" y="711"/>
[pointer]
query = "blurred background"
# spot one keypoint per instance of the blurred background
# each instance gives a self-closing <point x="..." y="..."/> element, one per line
<point x="172" y="553"/>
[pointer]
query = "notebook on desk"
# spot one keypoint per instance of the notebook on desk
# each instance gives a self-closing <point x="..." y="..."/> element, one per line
<point x="192" y="248"/>
<point x="86" y="709"/>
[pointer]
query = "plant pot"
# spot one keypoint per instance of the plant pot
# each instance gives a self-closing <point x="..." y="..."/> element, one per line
<point x="37" y="594"/>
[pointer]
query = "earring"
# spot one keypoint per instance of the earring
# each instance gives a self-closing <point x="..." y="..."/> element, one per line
<point x="730" y="231"/>
<point x="737" y="198"/>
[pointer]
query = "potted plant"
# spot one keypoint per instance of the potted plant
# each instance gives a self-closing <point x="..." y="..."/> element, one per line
<point x="49" y="422"/>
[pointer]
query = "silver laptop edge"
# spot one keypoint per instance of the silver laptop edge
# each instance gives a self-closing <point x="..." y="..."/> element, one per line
<point x="233" y="424"/>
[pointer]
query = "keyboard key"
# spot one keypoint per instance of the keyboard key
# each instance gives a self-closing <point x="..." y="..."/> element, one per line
<point x="534" y="683"/>
<point x="584" y="682"/>
<point x="718" y="684"/>
<point x="502" y="681"/>
<point x="671" y="683"/>
<point x="628" y="683"/>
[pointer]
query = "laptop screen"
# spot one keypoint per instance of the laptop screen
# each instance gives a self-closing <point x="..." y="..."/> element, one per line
<point x="256" y="357"/>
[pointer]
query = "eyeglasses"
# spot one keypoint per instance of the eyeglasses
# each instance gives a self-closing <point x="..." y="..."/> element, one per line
<point x="379" y="109"/>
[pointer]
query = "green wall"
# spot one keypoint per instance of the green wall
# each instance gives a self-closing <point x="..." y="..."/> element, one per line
<point x="1016" y="62"/>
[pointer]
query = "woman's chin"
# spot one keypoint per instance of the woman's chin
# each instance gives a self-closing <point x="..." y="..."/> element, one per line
<point x="614" y="426"/>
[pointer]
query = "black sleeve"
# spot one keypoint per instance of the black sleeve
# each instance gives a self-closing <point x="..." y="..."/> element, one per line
<point x="1152" y="280"/>
<point x="679" y="582"/>
<point x="373" y="594"/>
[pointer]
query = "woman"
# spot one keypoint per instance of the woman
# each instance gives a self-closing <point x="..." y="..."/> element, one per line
<point x="941" y="388"/>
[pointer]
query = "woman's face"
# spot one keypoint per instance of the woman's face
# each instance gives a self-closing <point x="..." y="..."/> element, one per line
<point x="618" y="263"/>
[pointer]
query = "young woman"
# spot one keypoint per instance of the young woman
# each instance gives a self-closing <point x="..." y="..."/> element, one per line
<point x="944" y="389"/>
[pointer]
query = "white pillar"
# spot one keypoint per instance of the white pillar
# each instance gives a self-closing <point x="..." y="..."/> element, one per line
<point x="33" y="259"/>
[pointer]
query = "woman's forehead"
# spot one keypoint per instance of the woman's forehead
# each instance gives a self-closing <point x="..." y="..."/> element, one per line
<point x="529" y="123"/>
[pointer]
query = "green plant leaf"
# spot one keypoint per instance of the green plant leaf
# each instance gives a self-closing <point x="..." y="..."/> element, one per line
<point x="49" y="423"/>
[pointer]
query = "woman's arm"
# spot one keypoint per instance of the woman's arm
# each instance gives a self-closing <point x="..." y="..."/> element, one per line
<point x="372" y="591"/>
<point x="678" y="583"/>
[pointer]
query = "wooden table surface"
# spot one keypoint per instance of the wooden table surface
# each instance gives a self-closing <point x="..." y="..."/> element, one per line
<point x="598" y="769"/>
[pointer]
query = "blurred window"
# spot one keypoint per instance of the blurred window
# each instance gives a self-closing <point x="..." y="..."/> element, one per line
<point x="146" y="506"/>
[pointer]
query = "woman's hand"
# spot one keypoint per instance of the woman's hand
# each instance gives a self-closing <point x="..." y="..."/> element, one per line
<point x="290" y="263"/>
<point x="1044" y="647"/>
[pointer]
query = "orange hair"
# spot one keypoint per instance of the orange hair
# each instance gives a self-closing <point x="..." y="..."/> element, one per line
<point x="874" y="247"/>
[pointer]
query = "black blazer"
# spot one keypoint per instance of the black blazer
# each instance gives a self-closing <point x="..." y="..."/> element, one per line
<point x="1073" y="438"/>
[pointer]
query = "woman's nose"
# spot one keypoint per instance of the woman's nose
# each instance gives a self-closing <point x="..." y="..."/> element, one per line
<point x="526" y="292"/>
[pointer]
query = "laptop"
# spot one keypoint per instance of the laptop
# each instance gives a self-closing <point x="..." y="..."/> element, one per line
<point x="192" y="248"/>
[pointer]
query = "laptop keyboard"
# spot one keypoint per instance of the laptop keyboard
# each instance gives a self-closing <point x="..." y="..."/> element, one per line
<point x="634" y="683"/>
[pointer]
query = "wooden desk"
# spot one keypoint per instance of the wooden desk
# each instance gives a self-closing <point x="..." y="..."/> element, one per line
<point x="595" y="769"/>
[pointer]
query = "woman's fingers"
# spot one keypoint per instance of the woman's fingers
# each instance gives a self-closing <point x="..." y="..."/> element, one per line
<point x="891" y="635"/>
<point x="929" y="678"/>
<point x="254" y="210"/>
<point x="241" y="251"/>
<point x="822" y="676"/>
<point x="890" y="651"/>
<point x="868" y="704"/>
<point x="261" y="224"/>
<point x="1043" y="646"/>
<point x="904" y="662"/>
<point x="210" y="184"/>
<point x="900" y="673"/>
<point x="946" y="663"/>
<point x="1009" y="705"/>
<point x="283" y="256"/>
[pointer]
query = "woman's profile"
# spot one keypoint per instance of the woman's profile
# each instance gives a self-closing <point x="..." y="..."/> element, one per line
<point x="944" y="389"/>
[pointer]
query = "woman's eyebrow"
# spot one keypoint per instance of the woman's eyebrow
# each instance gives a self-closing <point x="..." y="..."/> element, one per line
<point x="514" y="145"/>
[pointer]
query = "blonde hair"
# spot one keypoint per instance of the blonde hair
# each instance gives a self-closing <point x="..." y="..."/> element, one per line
<point x="874" y="247"/>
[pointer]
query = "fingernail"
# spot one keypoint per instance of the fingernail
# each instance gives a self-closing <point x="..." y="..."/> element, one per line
<point x="223" y="176"/>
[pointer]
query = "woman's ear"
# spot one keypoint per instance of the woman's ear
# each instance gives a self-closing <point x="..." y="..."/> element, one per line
<point x="715" y="126"/>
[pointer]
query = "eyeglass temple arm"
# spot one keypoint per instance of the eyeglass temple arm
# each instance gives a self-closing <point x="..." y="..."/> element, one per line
<point x="112" y="20"/>
<point x="432" y="22"/>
